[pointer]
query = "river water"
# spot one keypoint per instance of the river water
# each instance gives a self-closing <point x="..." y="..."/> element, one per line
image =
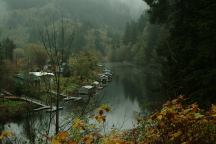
<point x="131" y="92"/>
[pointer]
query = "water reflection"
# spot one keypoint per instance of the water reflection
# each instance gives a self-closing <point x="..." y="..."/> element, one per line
<point x="132" y="91"/>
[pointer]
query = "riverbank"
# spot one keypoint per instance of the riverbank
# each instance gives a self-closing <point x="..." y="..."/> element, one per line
<point x="14" y="110"/>
<point x="126" y="95"/>
<point x="176" y="123"/>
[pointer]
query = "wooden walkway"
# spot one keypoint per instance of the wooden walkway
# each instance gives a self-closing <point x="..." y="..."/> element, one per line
<point x="66" y="97"/>
<point x="34" y="101"/>
<point x="42" y="105"/>
<point x="72" y="98"/>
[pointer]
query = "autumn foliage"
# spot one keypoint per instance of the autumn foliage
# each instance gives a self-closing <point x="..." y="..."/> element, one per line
<point x="179" y="123"/>
<point x="176" y="123"/>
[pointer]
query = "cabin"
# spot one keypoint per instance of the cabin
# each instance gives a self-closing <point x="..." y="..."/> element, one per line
<point x="33" y="78"/>
<point x="41" y="74"/>
<point x="87" y="90"/>
<point x="96" y="84"/>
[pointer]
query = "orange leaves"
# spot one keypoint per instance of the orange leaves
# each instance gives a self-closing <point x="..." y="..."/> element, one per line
<point x="113" y="139"/>
<point x="181" y="123"/>
<point x="194" y="107"/>
<point x="61" y="138"/>
<point x="78" y="124"/>
<point x="88" y="139"/>
<point x="63" y="135"/>
<point x="72" y="142"/>
<point x="55" y="141"/>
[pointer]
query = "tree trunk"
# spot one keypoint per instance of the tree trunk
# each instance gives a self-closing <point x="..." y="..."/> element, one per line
<point x="57" y="101"/>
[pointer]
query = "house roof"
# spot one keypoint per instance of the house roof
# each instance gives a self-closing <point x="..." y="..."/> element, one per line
<point x="39" y="74"/>
<point x="88" y="87"/>
<point x="96" y="82"/>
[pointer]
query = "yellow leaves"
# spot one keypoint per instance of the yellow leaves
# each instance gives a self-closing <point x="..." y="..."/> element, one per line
<point x="72" y="142"/>
<point x="213" y="110"/>
<point x="78" y="124"/>
<point x="105" y="107"/>
<point x="176" y="122"/>
<point x="5" y="134"/>
<point x="176" y="135"/>
<point x="198" y="115"/>
<point x="159" y="117"/>
<point x="175" y="118"/>
<point x="100" y="118"/>
<point x="113" y="139"/>
<point x="62" y="138"/>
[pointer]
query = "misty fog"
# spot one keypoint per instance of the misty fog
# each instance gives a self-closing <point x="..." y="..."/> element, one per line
<point x="19" y="18"/>
<point x="107" y="71"/>
<point x="80" y="9"/>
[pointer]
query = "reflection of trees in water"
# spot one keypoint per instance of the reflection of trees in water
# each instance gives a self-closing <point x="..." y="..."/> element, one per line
<point x="138" y="85"/>
<point x="41" y="123"/>
<point x="141" y="85"/>
<point x="29" y="128"/>
<point x="35" y="125"/>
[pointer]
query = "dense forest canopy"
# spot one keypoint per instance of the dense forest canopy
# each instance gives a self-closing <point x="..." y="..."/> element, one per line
<point x="91" y="26"/>
<point x="177" y="40"/>
<point x="94" y="24"/>
<point x="101" y="12"/>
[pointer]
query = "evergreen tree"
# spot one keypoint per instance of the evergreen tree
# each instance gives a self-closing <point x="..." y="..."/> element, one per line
<point x="7" y="47"/>
<point x="188" y="53"/>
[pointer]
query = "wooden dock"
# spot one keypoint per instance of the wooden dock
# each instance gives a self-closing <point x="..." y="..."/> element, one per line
<point x="34" y="101"/>
<point x="53" y="109"/>
<point x="72" y="98"/>
<point x="67" y="98"/>
<point x="42" y="105"/>
<point x="42" y="108"/>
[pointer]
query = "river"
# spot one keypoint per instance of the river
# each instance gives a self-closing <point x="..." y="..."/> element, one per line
<point x="131" y="92"/>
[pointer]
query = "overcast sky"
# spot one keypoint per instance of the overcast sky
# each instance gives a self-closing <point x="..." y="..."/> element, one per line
<point x="119" y="9"/>
<point x="135" y="6"/>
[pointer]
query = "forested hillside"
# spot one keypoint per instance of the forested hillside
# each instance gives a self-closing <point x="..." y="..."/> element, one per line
<point x="177" y="40"/>
<point x="107" y="71"/>
<point x="93" y="24"/>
